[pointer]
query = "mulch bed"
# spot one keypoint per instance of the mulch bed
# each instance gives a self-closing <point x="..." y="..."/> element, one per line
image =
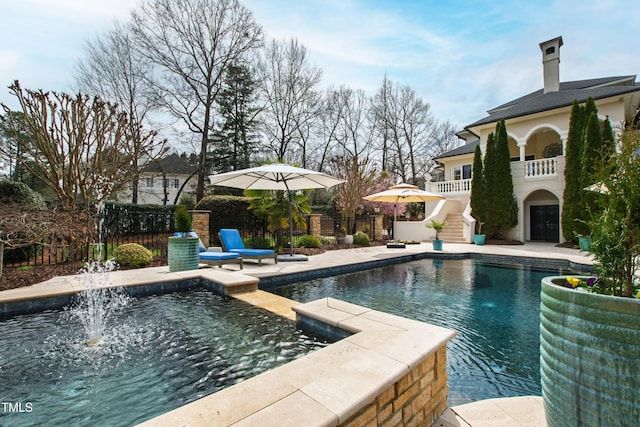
<point x="17" y="277"/>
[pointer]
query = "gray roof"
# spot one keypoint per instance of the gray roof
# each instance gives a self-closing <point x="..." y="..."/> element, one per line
<point x="579" y="90"/>
<point x="172" y="164"/>
<point x="465" y="149"/>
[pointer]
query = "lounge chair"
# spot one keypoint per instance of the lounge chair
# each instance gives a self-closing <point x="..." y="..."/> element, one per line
<point x="214" y="256"/>
<point x="232" y="242"/>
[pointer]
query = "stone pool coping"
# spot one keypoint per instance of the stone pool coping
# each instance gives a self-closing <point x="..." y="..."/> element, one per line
<point x="328" y="386"/>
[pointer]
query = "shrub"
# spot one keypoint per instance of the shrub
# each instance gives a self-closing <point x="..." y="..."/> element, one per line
<point x="327" y="240"/>
<point x="361" y="239"/>
<point x="18" y="192"/>
<point x="132" y="254"/>
<point x="23" y="254"/>
<point x="183" y="221"/>
<point x="308" y="241"/>
<point x="257" y="242"/>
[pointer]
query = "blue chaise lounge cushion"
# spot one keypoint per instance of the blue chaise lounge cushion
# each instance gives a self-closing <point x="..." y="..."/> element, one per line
<point x="232" y="242"/>
<point x="217" y="256"/>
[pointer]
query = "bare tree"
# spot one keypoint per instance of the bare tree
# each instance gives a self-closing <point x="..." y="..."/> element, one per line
<point x="416" y="126"/>
<point x="443" y="138"/>
<point x="192" y="42"/>
<point x="111" y="69"/>
<point x="359" y="175"/>
<point x="353" y="134"/>
<point x="406" y="128"/>
<point x="289" y="89"/>
<point x="22" y="226"/>
<point x="81" y="147"/>
<point x="380" y="116"/>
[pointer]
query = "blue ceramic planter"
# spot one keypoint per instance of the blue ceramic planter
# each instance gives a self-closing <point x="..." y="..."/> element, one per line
<point x="584" y="243"/>
<point x="437" y="244"/>
<point x="182" y="253"/>
<point x="589" y="357"/>
<point x="479" y="239"/>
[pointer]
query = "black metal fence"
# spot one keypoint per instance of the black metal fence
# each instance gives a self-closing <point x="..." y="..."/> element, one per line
<point x="151" y="226"/>
<point x="256" y="231"/>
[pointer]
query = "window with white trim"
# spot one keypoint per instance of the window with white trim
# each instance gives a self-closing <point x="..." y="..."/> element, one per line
<point x="461" y="172"/>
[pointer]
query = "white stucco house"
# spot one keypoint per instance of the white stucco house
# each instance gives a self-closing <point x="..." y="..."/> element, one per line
<point x="537" y="126"/>
<point x="161" y="180"/>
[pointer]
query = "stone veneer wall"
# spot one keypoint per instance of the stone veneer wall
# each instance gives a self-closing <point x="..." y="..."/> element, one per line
<point x="200" y="221"/>
<point x="417" y="399"/>
<point x="378" y="227"/>
<point x="315" y="228"/>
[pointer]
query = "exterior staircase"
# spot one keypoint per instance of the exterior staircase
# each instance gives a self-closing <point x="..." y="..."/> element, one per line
<point x="452" y="232"/>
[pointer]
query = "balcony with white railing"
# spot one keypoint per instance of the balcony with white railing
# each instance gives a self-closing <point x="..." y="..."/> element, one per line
<point x="459" y="186"/>
<point x="541" y="168"/>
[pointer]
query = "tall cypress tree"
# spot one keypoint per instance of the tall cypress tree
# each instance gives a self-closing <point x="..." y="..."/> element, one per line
<point x="478" y="189"/>
<point x="506" y="205"/>
<point x="608" y="138"/>
<point x="490" y="182"/>
<point x="591" y="151"/>
<point x="572" y="173"/>
<point x="500" y="208"/>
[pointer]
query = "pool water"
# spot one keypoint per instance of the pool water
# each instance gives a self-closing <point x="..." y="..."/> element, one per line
<point x="159" y="353"/>
<point x="495" y="309"/>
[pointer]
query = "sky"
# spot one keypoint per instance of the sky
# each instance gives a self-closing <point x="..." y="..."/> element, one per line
<point x="462" y="57"/>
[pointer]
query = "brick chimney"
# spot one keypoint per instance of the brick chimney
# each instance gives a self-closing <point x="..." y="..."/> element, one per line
<point x="551" y="64"/>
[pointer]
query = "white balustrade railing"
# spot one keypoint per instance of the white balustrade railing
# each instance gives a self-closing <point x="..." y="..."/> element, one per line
<point x="448" y="187"/>
<point x="541" y="168"/>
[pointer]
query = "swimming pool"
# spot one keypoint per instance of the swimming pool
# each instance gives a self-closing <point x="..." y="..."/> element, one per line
<point x="494" y="307"/>
<point x="159" y="352"/>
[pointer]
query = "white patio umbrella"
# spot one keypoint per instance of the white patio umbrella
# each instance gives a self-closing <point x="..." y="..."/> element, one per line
<point x="403" y="193"/>
<point x="276" y="176"/>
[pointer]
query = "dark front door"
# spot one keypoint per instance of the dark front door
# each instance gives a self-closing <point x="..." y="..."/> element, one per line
<point x="545" y="223"/>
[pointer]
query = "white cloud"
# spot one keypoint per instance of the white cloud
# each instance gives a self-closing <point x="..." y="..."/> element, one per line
<point x="463" y="57"/>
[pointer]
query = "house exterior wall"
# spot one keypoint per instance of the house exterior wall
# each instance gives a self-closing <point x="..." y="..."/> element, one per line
<point x="155" y="194"/>
<point x="530" y="190"/>
<point x="528" y="136"/>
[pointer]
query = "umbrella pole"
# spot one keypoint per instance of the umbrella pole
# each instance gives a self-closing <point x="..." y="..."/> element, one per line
<point x="291" y="222"/>
<point x="393" y="226"/>
<point x="290" y="218"/>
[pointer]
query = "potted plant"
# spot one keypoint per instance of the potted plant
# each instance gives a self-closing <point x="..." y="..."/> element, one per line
<point x="479" y="238"/>
<point x="438" y="227"/>
<point x="590" y="326"/>
<point x="182" y="250"/>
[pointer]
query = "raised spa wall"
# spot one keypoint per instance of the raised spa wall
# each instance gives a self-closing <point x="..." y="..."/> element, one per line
<point x="384" y="370"/>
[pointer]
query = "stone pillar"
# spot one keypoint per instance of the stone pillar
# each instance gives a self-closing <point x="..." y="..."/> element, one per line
<point x="201" y="225"/>
<point x="314" y="225"/>
<point x="378" y="227"/>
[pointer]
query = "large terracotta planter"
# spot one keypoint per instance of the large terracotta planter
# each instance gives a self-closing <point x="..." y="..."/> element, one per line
<point x="589" y="357"/>
<point x="182" y="253"/>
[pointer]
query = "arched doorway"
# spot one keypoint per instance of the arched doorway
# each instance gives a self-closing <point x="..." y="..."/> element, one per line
<point x="543" y="216"/>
